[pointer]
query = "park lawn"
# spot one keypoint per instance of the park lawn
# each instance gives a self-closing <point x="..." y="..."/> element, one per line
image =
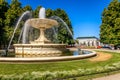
<point x="12" y="68"/>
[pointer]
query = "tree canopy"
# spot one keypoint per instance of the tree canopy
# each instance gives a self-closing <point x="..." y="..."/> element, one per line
<point x="110" y="27"/>
<point x="3" y="9"/>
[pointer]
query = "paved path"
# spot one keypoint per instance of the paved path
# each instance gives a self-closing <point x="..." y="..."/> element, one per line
<point x="110" y="77"/>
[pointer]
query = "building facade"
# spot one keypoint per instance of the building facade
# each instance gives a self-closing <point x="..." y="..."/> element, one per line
<point x="88" y="41"/>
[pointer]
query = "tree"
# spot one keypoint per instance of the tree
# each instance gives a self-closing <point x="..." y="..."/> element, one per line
<point x="110" y="28"/>
<point x="3" y="9"/>
<point x="49" y="12"/>
<point x="12" y="15"/>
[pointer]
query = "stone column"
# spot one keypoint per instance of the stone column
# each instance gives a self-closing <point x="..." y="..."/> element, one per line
<point x="90" y="43"/>
<point x="86" y="43"/>
<point x="95" y="44"/>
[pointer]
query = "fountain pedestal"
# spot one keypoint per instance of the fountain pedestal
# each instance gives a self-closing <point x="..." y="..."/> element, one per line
<point x="42" y="39"/>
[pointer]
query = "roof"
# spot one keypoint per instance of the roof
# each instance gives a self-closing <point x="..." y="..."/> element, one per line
<point x="87" y="37"/>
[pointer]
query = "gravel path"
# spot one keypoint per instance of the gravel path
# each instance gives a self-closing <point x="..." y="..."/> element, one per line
<point x="101" y="57"/>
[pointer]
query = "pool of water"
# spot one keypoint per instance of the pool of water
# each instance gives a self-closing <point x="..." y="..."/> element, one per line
<point x="76" y="53"/>
<point x="68" y="53"/>
<point x="82" y="52"/>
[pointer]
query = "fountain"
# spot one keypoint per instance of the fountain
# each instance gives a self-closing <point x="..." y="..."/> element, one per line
<point x="41" y="47"/>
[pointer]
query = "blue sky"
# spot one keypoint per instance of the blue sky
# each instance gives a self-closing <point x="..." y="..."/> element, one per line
<point x="85" y="15"/>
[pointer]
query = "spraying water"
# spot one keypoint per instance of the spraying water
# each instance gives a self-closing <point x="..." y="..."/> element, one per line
<point x="42" y="13"/>
<point x="54" y="32"/>
<point x="27" y="26"/>
<point x="16" y="27"/>
<point x="20" y="35"/>
<point x="56" y="17"/>
<point x="25" y="33"/>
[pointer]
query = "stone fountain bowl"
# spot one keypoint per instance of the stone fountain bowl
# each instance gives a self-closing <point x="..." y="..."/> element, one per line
<point x="42" y="23"/>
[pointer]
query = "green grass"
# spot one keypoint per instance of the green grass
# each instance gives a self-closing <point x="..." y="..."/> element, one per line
<point x="11" y="68"/>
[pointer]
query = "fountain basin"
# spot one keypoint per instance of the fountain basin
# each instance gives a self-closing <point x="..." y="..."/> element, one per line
<point x="48" y="59"/>
<point x="39" y="50"/>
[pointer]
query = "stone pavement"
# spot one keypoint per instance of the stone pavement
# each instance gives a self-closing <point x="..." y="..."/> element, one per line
<point x="110" y="77"/>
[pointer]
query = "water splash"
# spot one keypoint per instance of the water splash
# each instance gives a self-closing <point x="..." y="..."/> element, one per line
<point x="51" y="34"/>
<point x="17" y="25"/>
<point x="20" y="35"/>
<point x="54" y="32"/>
<point x="25" y="33"/>
<point x="58" y="18"/>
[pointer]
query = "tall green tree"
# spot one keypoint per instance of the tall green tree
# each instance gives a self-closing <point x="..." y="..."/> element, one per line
<point x="110" y="27"/>
<point x="3" y="9"/>
<point x="12" y="15"/>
